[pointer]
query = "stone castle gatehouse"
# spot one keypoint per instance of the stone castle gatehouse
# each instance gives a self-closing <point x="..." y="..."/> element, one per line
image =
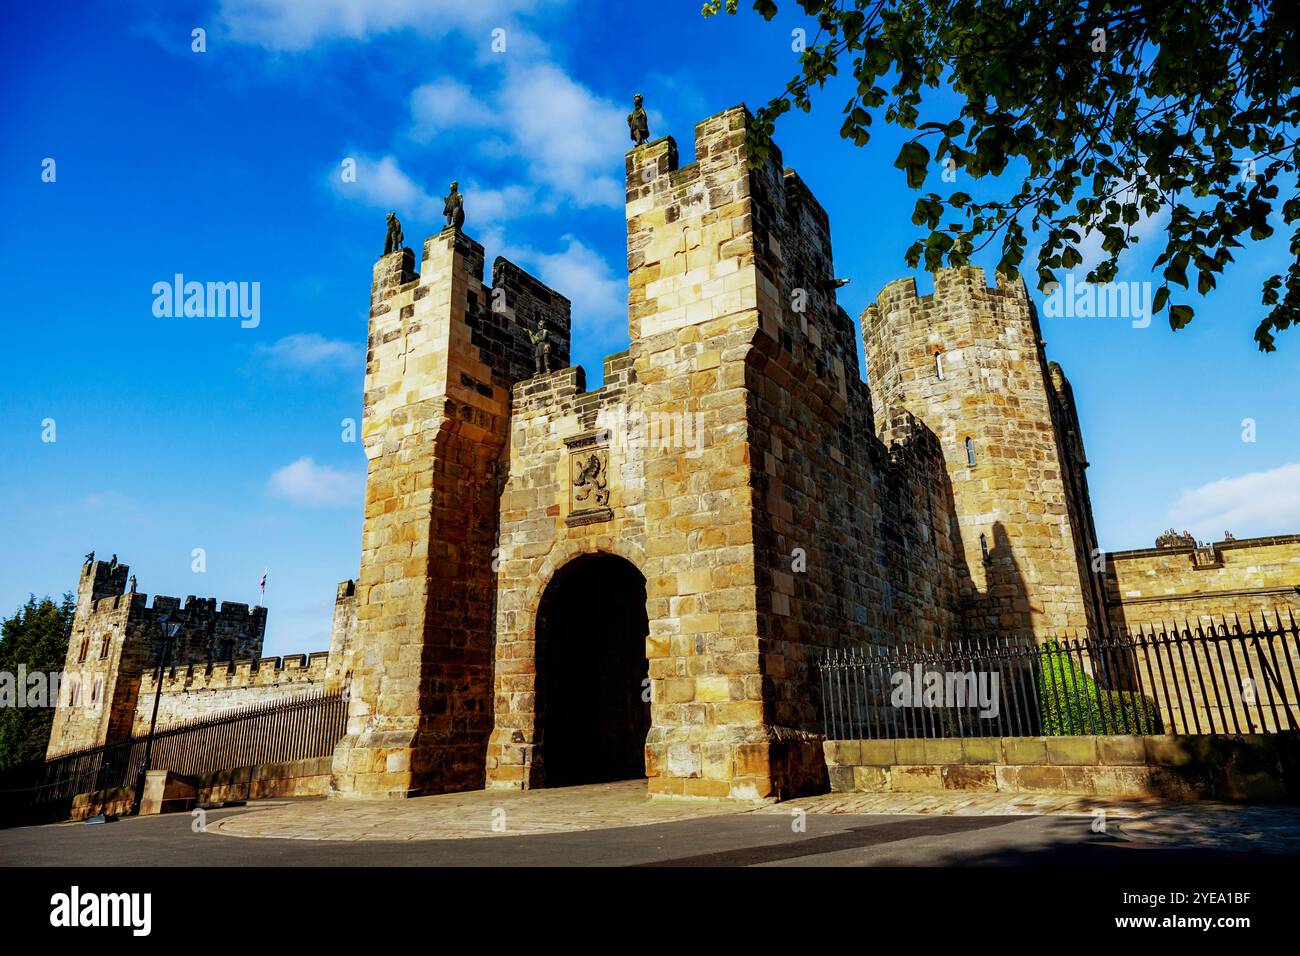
<point x="563" y="586"/>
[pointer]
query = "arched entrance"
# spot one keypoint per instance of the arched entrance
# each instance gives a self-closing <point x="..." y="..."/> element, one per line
<point x="591" y="630"/>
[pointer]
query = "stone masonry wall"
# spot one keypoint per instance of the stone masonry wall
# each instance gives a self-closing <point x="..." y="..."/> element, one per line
<point x="1227" y="579"/>
<point x="854" y="537"/>
<point x="343" y="636"/>
<point x="1251" y="767"/>
<point x="538" y="535"/>
<point x="1074" y="470"/>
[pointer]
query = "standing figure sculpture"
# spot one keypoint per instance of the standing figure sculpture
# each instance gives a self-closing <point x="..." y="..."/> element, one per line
<point x="453" y="207"/>
<point x="90" y="558"/>
<point x="393" y="241"/>
<point x="637" y="123"/>
<point x="541" y="349"/>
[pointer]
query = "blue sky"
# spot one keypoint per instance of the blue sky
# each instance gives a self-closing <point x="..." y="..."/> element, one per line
<point x="180" y="433"/>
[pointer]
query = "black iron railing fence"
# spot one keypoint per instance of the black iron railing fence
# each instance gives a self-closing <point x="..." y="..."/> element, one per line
<point x="1218" y="677"/>
<point x="274" y="732"/>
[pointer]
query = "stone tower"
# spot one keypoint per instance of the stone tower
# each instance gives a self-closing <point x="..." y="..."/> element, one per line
<point x="115" y="639"/>
<point x="444" y="350"/>
<point x="969" y="362"/>
<point x="703" y="242"/>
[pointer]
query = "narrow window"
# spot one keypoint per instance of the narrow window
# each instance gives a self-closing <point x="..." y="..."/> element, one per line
<point x="74" y="694"/>
<point x="85" y="649"/>
<point x="97" y="690"/>
<point x="103" y="646"/>
<point x="970" y="452"/>
<point x="984" y="549"/>
<point x="938" y="365"/>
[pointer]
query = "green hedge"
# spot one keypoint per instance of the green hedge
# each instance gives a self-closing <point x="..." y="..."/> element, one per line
<point x="1072" y="704"/>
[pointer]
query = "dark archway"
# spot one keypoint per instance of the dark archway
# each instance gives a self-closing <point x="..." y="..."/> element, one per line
<point x="591" y="681"/>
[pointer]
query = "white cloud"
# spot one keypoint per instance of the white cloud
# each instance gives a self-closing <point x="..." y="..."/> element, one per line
<point x="296" y="25"/>
<point x="492" y="206"/>
<point x="570" y="140"/>
<point x="311" y="485"/>
<point x="446" y="104"/>
<point x="599" y="297"/>
<point x="1258" y="503"/>
<point x="307" y="351"/>
<point x="383" y="184"/>
<point x="1142" y="234"/>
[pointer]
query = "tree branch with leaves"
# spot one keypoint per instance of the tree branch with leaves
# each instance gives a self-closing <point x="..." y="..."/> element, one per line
<point x="1118" y="109"/>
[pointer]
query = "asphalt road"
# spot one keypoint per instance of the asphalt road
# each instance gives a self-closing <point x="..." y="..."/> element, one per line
<point x="743" y="839"/>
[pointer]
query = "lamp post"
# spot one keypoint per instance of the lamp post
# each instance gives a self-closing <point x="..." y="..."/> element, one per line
<point x="170" y="625"/>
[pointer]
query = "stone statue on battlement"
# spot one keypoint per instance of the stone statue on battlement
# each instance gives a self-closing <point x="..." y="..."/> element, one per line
<point x="453" y="206"/>
<point x="1172" y="539"/>
<point x="131" y="585"/>
<point x="393" y="241"/>
<point x="112" y="563"/>
<point x="90" y="558"/>
<point x="637" y="123"/>
<point x="541" y="349"/>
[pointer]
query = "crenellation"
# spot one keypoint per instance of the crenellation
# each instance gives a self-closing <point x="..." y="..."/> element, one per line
<point x="195" y="690"/>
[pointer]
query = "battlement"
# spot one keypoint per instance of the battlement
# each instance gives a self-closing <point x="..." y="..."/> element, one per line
<point x="960" y="288"/>
<point x="1228" y="544"/>
<point x="1235" y="576"/>
<point x="515" y="293"/>
<point x="102" y="579"/>
<point x="465" y="342"/>
<point x="195" y="691"/>
<point x="207" y="607"/>
<point x="234" y="675"/>
<point x="925" y="349"/>
<point x="210" y="629"/>
<point x="687" y="248"/>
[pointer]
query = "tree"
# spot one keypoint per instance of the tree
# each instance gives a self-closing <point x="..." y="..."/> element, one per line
<point x="1118" y="109"/>
<point x="36" y="637"/>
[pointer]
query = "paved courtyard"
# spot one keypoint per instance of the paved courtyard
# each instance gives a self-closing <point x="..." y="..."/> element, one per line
<point x="618" y="824"/>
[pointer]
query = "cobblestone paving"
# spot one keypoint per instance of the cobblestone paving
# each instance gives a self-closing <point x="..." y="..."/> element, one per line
<point x="961" y="804"/>
<point x="479" y="813"/>
<point x="496" y="813"/>
<point x="1224" y="826"/>
<point x="1264" y="829"/>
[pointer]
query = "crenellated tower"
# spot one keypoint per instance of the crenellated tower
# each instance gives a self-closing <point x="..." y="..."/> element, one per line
<point x="444" y="351"/>
<point x="969" y="362"/>
<point x="116" y="639"/>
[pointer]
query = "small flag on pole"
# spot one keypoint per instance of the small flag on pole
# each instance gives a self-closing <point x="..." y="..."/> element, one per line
<point x="261" y="588"/>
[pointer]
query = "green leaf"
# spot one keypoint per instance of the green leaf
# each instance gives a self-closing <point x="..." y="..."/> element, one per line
<point x="915" y="159"/>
